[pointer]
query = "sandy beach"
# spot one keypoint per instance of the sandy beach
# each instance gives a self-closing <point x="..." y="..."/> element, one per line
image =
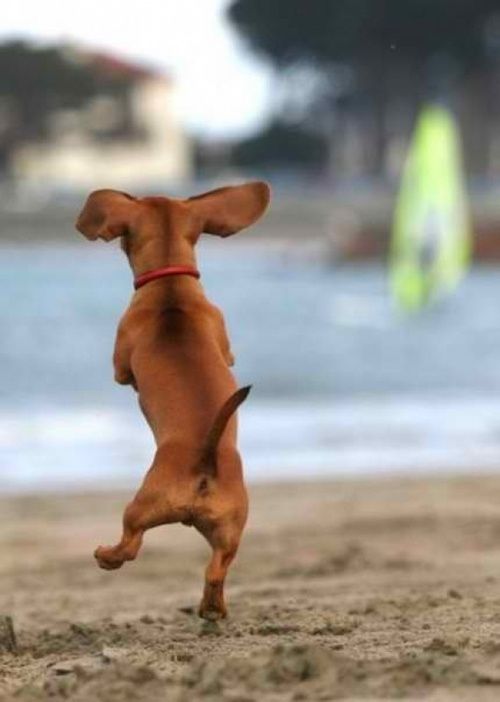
<point x="376" y="590"/>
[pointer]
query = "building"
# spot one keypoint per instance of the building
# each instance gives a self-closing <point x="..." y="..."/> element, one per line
<point x="129" y="135"/>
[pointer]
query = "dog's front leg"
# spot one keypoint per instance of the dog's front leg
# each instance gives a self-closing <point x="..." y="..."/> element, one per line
<point x="223" y="338"/>
<point x="226" y="345"/>
<point x="121" y="361"/>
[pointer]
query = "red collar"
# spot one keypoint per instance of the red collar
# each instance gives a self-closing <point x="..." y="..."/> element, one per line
<point x="162" y="272"/>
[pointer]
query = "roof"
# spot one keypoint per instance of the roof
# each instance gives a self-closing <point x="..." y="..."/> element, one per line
<point x="116" y="66"/>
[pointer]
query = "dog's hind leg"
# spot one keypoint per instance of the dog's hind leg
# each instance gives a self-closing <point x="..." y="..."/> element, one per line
<point x="227" y="505"/>
<point x="161" y="500"/>
<point x="224" y="539"/>
<point x="113" y="557"/>
<point x="150" y="507"/>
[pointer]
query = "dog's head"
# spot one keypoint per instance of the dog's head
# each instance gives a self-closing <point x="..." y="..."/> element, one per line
<point x="108" y="214"/>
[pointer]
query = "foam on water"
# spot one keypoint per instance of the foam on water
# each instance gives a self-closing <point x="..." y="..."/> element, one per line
<point x="112" y="447"/>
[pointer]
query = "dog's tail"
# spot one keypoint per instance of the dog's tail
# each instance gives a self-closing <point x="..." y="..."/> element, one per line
<point x="208" y="461"/>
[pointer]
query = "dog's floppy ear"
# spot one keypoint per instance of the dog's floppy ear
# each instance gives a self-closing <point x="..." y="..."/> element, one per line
<point x="227" y="210"/>
<point x="106" y="215"/>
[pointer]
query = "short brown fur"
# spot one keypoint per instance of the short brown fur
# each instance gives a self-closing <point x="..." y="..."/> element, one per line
<point x="172" y="347"/>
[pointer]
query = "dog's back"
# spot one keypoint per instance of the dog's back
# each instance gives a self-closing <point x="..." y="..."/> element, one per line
<point x="171" y="346"/>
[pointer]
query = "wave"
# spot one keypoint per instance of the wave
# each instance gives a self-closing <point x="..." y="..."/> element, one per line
<point x="98" y="447"/>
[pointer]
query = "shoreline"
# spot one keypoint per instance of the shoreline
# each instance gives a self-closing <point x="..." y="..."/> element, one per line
<point x="362" y="478"/>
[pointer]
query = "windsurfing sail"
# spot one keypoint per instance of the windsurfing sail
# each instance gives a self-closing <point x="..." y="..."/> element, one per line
<point x="431" y="240"/>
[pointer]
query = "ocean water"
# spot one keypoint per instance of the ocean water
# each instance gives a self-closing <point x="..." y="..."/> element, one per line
<point x="342" y="384"/>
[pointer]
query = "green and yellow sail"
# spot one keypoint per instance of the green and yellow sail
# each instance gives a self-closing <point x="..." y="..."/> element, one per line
<point x="431" y="240"/>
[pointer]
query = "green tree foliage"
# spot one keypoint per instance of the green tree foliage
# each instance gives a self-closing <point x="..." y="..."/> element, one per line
<point x="281" y="146"/>
<point x="391" y="49"/>
<point x="332" y="31"/>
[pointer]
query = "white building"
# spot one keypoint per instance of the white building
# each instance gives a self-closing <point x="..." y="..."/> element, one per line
<point x="131" y="139"/>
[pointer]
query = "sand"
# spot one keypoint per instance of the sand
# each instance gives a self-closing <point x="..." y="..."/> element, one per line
<point x="374" y="590"/>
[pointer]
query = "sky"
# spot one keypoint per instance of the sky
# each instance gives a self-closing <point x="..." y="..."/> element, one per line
<point x="224" y="91"/>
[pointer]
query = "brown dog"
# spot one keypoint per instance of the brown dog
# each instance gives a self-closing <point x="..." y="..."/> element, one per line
<point x="172" y="347"/>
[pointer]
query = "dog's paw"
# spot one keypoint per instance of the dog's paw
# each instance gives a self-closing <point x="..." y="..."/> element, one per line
<point x="211" y="613"/>
<point x="107" y="558"/>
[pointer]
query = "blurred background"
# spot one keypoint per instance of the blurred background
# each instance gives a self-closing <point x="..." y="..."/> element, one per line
<point x="321" y="99"/>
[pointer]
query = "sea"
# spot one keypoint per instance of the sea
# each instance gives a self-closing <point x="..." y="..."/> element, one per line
<point x="343" y="383"/>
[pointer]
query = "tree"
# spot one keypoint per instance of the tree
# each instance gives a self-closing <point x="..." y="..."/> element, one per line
<point x="281" y="146"/>
<point x="392" y="49"/>
<point x="330" y="31"/>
